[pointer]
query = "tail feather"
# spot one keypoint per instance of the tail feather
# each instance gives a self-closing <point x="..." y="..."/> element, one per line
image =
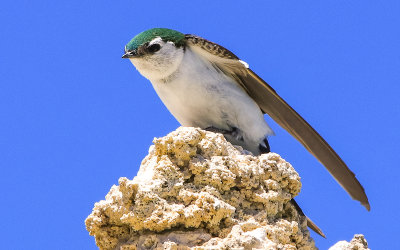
<point x="264" y="147"/>
<point x="314" y="227"/>
<point x="310" y="223"/>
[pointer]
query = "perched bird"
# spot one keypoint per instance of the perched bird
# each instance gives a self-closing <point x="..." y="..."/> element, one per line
<point x="205" y="85"/>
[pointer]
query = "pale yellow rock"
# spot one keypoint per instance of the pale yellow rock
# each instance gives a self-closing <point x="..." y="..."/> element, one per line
<point x="357" y="243"/>
<point x="194" y="190"/>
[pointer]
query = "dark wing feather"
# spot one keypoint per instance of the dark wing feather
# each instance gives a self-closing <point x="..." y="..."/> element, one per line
<point x="210" y="47"/>
<point x="273" y="105"/>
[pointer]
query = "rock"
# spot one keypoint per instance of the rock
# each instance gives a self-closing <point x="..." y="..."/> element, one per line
<point x="357" y="243"/>
<point x="195" y="190"/>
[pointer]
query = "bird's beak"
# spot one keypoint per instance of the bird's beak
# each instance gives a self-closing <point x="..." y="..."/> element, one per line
<point x="129" y="54"/>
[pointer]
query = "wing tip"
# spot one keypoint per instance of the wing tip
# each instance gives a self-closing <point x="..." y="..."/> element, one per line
<point x="366" y="205"/>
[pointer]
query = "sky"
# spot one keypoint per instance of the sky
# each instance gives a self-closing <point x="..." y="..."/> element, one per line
<point x="75" y="117"/>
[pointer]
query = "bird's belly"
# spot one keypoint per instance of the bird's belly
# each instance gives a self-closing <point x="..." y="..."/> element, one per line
<point x="193" y="104"/>
<point x="207" y="102"/>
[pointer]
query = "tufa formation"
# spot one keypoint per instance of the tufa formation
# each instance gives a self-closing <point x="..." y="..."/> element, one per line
<point x="195" y="190"/>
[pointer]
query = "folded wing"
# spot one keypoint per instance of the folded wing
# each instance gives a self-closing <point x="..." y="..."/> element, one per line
<point x="273" y="105"/>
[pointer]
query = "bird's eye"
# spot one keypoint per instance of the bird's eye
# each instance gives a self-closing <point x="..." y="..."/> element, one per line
<point x="154" y="48"/>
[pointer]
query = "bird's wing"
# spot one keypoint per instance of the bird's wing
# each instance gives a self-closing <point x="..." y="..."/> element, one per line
<point x="273" y="105"/>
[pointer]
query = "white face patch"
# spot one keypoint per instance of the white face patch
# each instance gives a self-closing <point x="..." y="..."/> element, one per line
<point x="160" y="64"/>
<point x="155" y="40"/>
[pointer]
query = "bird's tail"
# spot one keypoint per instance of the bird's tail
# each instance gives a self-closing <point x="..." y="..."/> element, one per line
<point x="314" y="227"/>
<point x="310" y="223"/>
<point x="264" y="146"/>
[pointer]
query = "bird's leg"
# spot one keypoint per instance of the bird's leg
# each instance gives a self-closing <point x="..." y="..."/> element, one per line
<point x="237" y="134"/>
<point x="234" y="132"/>
<point x="216" y="130"/>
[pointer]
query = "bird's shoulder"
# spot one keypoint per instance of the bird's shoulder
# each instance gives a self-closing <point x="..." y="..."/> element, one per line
<point x="210" y="47"/>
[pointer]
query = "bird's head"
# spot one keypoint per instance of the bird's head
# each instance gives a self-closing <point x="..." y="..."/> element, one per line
<point x="156" y="53"/>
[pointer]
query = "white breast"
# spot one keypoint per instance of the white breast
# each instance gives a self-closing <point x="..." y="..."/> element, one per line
<point x="198" y="95"/>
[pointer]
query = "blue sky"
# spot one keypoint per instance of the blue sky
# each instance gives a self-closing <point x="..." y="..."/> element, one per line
<point x="75" y="116"/>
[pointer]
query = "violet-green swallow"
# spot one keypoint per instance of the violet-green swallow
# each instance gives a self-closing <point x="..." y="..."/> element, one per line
<point x="205" y="85"/>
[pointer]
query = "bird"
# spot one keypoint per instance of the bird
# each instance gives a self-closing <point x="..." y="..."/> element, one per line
<point x="205" y="85"/>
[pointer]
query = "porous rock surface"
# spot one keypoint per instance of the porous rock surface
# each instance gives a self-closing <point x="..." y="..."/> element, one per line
<point x="357" y="243"/>
<point x="194" y="190"/>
